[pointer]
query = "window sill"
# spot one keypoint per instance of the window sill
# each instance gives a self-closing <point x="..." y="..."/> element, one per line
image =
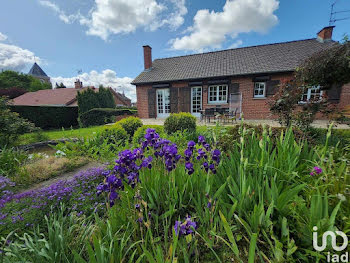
<point x="217" y="103"/>
<point x="259" y="98"/>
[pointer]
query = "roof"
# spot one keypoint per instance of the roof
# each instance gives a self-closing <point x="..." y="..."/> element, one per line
<point x="278" y="57"/>
<point x="37" y="71"/>
<point x="54" y="97"/>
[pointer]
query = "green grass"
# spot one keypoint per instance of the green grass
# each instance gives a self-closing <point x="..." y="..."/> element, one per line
<point x="59" y="134"/>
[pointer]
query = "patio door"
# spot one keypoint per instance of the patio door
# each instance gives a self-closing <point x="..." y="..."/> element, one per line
<point x="163" y="103"/>
<point x="196" y="101"/>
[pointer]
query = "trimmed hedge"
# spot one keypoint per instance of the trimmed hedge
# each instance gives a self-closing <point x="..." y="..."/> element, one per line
<point x="180" y="122"/>
<point x="130" y="124"/>
<point x="100" y="116"/>
<point x="48" y="117"/>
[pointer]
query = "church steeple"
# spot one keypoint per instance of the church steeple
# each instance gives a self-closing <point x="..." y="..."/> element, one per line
<point x="38" y="73"/>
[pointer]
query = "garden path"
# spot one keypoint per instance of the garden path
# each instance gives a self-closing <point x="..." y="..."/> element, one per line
<point x="64" y="176"/>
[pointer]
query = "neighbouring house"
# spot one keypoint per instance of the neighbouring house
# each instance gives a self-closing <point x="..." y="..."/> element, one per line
<point x="243" y="78"/>
<point x="38" y="73"/>
<point x="63" y="97"/>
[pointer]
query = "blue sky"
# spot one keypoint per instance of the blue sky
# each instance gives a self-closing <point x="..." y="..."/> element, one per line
<point x="104" y="38"/>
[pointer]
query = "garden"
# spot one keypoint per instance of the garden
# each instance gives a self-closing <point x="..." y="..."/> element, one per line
<point x="182" y="193"/>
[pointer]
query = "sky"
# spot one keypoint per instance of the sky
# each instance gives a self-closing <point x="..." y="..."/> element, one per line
<point x="100" y="41"/>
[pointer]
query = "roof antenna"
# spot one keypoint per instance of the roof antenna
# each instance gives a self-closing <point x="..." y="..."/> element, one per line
<point x="333" y="17"/>
<point x="79" y="71"/>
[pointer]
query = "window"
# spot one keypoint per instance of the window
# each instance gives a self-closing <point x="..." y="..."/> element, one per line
<point x="312" y="94"/>
<point x="218" y="94"/>
<point x="259" y="89"/>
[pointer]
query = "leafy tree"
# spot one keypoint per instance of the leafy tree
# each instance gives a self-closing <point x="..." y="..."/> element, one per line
<point x="89" y="99"/>
<point x="61" y="86"/>
<point x="11" y="125"/>
<point x="10" y="79"/>
<point x="285" y="105"/>
<point x="328" y="67"/>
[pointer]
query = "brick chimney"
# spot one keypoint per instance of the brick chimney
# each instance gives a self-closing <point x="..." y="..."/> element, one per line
<point x="147" y="56"/>
<point x="78" y="84"/>
<point x="325" y="34"/>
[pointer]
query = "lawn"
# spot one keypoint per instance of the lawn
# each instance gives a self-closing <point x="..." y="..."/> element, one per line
<point x="59" y="134"/>
<point x="242" y="194"/>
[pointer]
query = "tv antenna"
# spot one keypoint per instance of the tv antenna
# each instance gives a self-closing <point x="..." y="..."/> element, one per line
<point x="79" y="71"/>
<point x="333" y="16"/>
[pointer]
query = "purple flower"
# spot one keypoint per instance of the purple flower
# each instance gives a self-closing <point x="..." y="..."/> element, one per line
<point x="209" y="205"/>
<point x="137" y="206"/>
<point x="191" y="144"/>
<point x="189" y="167"/>
<point x="318" y="170"/>
<point x="186" y="227"/>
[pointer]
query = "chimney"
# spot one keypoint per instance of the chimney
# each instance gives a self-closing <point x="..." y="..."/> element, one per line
<point x="78" y="84"/>
<point x="325" y="34"/>
<point x="147" y="55"/>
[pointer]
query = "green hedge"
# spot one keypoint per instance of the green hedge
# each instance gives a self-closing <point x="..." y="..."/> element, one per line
<point x="130" y="124"/>
<point x="180" y="122"/>
<point x="100" y="116"/>
<point x="48" y="117"/>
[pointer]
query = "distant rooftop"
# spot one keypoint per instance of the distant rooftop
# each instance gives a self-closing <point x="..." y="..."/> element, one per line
<point x="37" y="71"/>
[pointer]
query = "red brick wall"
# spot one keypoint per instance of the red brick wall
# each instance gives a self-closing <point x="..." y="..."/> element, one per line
<point x="252" y="108"/>
<point x="142" y="101"/>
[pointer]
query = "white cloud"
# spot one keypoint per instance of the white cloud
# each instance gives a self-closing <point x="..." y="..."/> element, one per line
<point x="107" y="78"/>
<point x="68" y="19"/>
<point x="236" y="44"/>
<point x="3" y="37"/>
<point x="210" y="29"/>
<point x="15" y="58"/>
<point x="109" y="17"/>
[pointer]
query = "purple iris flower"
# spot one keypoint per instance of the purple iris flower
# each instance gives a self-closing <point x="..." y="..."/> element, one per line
<point x="189" y="168"/>
<point x="186" y="227"/>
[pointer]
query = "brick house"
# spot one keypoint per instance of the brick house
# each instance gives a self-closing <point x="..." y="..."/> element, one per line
<point x="247" y="77"/>
<point x="64" y="97"/>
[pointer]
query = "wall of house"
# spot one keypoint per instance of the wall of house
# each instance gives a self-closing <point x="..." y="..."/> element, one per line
<point x="252" y="108"/>
<point x="142" y="100"/>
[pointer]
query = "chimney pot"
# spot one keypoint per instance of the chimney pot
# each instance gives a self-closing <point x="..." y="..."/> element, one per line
<point x="147" y="56"/>
<point x="78" y="84"/>
<point x="325" y="34"/>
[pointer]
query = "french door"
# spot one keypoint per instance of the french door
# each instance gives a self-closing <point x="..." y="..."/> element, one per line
<point x="163" y="103"/>
<point x="196" y="101"/>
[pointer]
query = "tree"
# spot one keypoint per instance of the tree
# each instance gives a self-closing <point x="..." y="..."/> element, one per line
<point x="10" y="79"/>
<point x="11" y="125"/>
<point x="89" y="99"/>
<point x="61" y="86"/>
<point x="12" y="93"/>
<point x="328" y="67"/>
<point x="285" y="104"/>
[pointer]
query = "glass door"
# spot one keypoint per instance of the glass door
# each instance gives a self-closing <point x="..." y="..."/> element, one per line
<point x="196" y="101"/>
<point x="163" y="103"/>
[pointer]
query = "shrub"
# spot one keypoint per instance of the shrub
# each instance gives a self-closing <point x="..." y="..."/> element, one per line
<point x="100" y="116"/>
<point x="130" y="125"/>
<point x="11" y="161"/>
<point x="180" y="122"/>
<point x="139" y="134"/>
<point x="114" y="134"/>
<point x="49" y="117"/>
<point x="12" y="125"/>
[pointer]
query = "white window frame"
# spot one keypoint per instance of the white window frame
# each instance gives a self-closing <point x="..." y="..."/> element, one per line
<point x="308" y="94"/>
<point x="217" y="87"/>
<point x="264" y="89"/>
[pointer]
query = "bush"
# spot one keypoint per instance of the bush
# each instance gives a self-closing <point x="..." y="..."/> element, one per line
<point x="180" y="122"/>
<point x="12" y="125"/>
<point x="100" y="116"/>
<point x="114" y="135"/>
<point x="139" y="134"/>
<point x="49" y="117"/>
<point x="130" y="125"/>
<point x="11" y="161"/>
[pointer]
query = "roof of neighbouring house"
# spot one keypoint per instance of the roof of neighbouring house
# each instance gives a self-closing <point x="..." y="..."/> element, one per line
<point x="37" y="71"/>
<point x="54" y="97"/>
<point x="278" y="57"/>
